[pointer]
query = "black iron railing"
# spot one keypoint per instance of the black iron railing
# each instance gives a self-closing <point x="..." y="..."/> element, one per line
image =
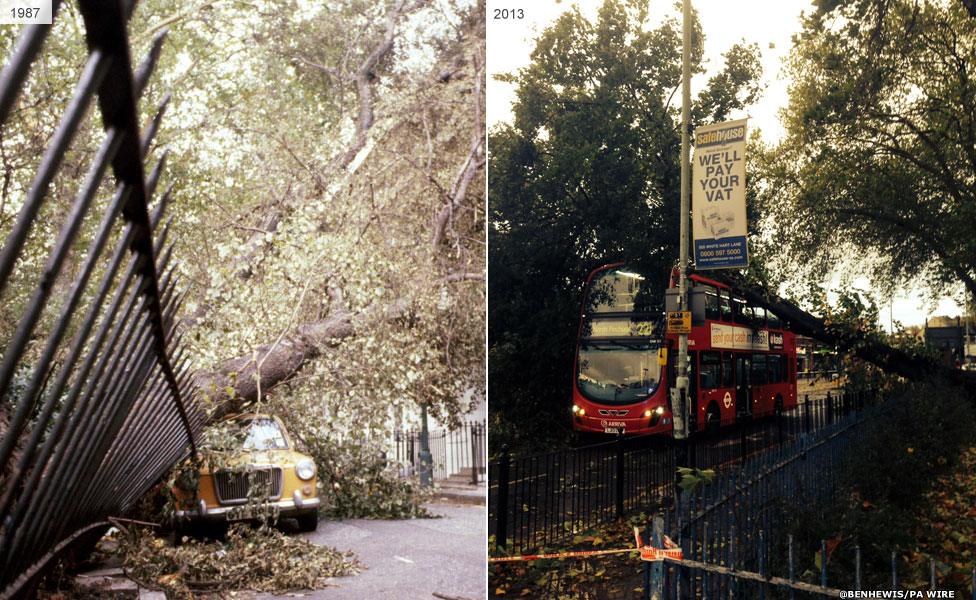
<point x="545" y="499"/>
<point x="100" y="404"/>
<point x="459" y="451"/>
<point x="734" y="531"/>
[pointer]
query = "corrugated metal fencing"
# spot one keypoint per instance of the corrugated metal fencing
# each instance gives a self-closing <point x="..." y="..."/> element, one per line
<point x="96" y="402"/>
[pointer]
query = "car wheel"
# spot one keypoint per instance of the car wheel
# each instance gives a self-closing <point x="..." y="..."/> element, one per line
<point x="308" y="521"/>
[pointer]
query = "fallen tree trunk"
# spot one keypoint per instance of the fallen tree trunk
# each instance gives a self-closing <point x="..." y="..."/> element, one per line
<point x="848" y="339"/>
<point x="239" y="381"/>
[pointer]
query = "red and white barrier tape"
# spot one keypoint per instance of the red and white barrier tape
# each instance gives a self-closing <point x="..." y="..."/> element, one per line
<point x="649" y="553"/>
<point x="577" y="554"/>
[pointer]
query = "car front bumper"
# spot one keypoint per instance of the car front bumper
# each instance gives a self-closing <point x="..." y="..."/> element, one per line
<point x="296" y="505"/>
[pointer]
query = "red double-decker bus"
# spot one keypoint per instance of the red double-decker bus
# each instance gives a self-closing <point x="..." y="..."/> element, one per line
<point x="742" y="360"/>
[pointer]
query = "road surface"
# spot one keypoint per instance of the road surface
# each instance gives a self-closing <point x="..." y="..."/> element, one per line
<point x="408" y="560"/>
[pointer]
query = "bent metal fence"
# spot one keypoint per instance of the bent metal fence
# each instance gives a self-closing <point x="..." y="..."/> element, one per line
<point x="95" y="400"/>
<point x="545" y="499"/>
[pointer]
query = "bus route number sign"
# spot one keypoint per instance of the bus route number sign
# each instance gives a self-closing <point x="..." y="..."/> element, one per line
<point x="679" y="322"/>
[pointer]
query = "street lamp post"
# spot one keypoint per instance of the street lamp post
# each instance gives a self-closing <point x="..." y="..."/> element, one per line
<point x="679" y="392"/>
<point x="426" y="460"/>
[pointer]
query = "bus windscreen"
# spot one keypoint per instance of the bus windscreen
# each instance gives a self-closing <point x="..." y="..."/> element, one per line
<point x="618" y="372"/>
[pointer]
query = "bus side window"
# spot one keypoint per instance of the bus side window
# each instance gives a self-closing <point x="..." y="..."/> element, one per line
<point x="758" y="369"/>
<point x="774" y="322"/>
<point x="725" y="305"/>
<point x="738" y="310"/>
<point x="775" y="368"/>
<point x="727" y="369"/>
<point x="710" y="370"/>
<point x="759" y="316"/>
<point x="711" y="304"/>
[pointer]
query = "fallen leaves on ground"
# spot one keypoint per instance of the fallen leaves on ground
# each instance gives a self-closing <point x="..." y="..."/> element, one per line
<point x="608" y="576"/>
<point x="947" y="530"/>
<point x="260" y="559"/>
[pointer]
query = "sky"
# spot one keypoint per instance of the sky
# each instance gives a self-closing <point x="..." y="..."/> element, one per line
<point x="768" y="23"/>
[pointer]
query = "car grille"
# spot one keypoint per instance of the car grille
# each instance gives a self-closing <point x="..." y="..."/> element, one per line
<point x="233" y="487"/>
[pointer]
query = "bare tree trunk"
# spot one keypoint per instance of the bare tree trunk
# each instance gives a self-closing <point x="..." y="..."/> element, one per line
<point x="844" y="338"/>
<point x="237" y="382"/>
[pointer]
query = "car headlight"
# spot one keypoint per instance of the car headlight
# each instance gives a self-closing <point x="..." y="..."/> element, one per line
<point x="305" y="469"/>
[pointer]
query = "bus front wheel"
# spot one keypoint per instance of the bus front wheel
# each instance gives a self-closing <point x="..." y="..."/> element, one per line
<point x="713" y="419"/>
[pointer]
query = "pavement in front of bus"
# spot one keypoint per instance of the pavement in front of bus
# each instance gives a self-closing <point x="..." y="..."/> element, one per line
<point x="408" y="560"/>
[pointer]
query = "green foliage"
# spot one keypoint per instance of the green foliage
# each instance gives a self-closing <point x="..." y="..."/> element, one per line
<point x="272" y="230"/>
<point x="693" y="479"/>
<point x="876" y="166"/>
<point x="356" y="479"/>
<point x="898" y="457"/>
<point x="587" y="174"/>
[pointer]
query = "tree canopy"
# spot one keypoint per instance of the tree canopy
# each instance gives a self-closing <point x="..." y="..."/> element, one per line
<point x="880" y="148"/>
<point x="588" y="173"/>
<point x="326" y="164"/>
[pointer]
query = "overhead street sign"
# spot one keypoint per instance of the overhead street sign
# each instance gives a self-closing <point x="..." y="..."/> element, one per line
<point x="679" y="322"/>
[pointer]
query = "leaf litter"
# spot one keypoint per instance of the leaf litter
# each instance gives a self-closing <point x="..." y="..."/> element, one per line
<point x="251" y="558"/>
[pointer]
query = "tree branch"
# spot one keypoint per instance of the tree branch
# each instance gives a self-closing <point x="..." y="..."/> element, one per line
<point x="472" y="163"/>
<point x="234" y="384"/>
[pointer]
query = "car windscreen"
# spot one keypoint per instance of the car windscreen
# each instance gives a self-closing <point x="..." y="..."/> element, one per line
<point x="264" y="434"/>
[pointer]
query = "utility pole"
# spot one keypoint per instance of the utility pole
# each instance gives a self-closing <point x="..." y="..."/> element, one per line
<point x="679" y="394"/>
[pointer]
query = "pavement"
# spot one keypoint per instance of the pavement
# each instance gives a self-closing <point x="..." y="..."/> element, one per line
<point x="416" y="559"/>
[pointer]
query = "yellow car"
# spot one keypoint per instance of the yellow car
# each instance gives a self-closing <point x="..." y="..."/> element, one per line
<point x="265" y="475"/>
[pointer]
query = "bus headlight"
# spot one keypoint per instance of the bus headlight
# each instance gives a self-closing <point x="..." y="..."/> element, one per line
<point x="659" y="411"/>
<point x="305" y="469"/>
<point x="578" y="410"/>
<point x="647" y="414"/>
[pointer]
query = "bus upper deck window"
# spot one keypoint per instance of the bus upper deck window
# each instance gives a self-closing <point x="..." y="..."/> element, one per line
<point x="759" y="316"/>
<point x="725" y="306"/>
<point x="739" y="310"/>
<point x="773" y="320"/>
<point x="711" y="304"/>
<point x="749" y="315"/>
